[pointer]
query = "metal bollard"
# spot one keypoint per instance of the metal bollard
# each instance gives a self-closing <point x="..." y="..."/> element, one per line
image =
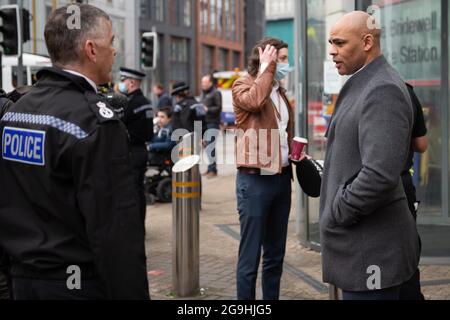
<point x="189" y="146"/>
<point x="186" y="227"/>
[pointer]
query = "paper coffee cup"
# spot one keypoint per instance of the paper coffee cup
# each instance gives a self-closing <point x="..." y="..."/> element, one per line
<point x="298" y="145"/>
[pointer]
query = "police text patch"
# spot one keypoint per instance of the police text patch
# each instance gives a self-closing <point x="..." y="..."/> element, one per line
<point x="24" y="146"/>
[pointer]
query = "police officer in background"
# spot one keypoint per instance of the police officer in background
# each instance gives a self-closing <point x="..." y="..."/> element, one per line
<point x="187" y="109"/>
<point x="5" y="103"/>
<point x="411" y="290"/>
<point x="69" y="217"/>
<point x="139" y="121"/>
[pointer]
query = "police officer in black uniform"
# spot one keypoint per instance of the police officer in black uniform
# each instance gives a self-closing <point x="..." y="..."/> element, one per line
<point x="4" y="291"/>
<point x="138" y="118"/>
<point x="187" y="109"/>
<point x="411" y="290"/>
<point x="69" y="216"/>
<point x="4" y="279"/>
<point x="5" y="104"/>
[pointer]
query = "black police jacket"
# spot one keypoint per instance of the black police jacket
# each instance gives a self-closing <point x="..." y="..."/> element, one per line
<point x="139" y="119"/>
<point x="213" y="101"/>
<point x="185" y="115"/>
<point x="5" y="103"/>
<point x="67" y="196"/>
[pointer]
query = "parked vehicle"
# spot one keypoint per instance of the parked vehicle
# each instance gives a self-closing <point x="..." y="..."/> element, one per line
<point x="225" y="81"/>
<point x="31" y="65"/>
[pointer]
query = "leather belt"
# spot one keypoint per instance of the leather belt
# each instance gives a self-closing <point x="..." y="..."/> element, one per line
<point x="252" y="171"/>
<point x="256" y="171"/>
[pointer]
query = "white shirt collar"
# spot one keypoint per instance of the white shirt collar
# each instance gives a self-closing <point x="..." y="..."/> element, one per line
<point x="92" y="83"/>
<point x="276" y="85"/>
<point x="357" y="71"/>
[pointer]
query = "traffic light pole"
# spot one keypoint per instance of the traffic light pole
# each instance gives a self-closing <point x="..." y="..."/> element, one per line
<point x="153" y="73"/>
<point x="20" y="79"/>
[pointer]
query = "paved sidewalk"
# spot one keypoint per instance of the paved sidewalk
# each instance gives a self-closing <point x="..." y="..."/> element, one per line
<point x="219" y="234"/>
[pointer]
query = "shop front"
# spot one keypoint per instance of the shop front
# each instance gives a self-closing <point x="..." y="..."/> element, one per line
<point x="415" y="42"/>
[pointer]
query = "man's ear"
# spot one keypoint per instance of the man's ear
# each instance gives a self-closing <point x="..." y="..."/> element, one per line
<point x="369" y="42"/>
<point x="90" y="51"/>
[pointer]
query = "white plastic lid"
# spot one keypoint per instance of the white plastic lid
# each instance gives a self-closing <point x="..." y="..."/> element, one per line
<point x="186" y="164"/>
<point x="301" y="140"/>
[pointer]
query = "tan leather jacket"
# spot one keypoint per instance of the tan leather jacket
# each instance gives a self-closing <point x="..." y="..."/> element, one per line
<point x="258" y="142"/>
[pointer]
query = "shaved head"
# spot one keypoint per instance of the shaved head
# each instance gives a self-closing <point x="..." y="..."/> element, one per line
<point x="359" y="22"/>
<point x="355" y="42"/>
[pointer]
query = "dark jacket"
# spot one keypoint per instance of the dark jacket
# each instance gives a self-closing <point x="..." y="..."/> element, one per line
<point x="213" y="101"/>
<point x="70" y="188"/>
<point x="185" y="115"/>
<point x="164" y="101"/>
<point x="365" y="220"/>
<point x="162" y="142"/>
<point x="4" y="271"/>
<point x="5" y="103"/>
<point x="138" y="119"/>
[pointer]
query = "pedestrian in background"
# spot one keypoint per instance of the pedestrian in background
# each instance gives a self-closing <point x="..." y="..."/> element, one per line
<point x="411" y="290"/>
<point x="164" y="99"/>
<point x="138" y="118"/>
<point x="187" y="110"/>
<point x="370" y="243"/>
<point x="264" y="180"/>
<point x="69" y="215"/>
<point x="212" y="100"/>
<point x="162" y="142"/>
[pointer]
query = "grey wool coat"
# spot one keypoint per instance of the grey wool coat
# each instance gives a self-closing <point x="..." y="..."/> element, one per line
<point x="365" y="221"/>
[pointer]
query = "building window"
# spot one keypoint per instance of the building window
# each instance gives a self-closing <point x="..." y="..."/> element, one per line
<point x="174" y="11"/>
<point x="145" y="8"/>
<point x="236" y="60"/>
<point x="179" y="59"/>
<point x="233" y="14"/>
<point x="219" y="17"/>
<point x="212" y="14"/>
<point x="204" y="16"/>
<point x="227" y="18"/>
<point x="159" y="10"/>
<point x="187" y="13"/>
<point x="223" y="59"/>
<point x="180" y="12"/>
<point x="207" y="59"/>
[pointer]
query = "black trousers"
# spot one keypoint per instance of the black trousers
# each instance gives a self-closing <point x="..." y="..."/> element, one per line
<point x="411" y="290"/>
<point x="24" y="289"/>
<point x="389" y="294"/>
<point x="4" y="287"/>
<point x="139" y="158"/>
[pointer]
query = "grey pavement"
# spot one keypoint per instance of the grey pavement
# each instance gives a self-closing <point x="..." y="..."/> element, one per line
<point x="219" y="242"/>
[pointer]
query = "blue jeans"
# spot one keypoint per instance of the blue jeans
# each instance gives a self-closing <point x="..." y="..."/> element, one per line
<point x="212" y="168"/>
<point x="264" y="204"/>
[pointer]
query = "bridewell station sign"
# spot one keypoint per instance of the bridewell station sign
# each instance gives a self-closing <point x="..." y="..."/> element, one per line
<point x="412" y="38"/>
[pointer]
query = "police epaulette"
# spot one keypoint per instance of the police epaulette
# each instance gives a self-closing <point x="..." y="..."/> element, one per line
<point x="100" y="107"/>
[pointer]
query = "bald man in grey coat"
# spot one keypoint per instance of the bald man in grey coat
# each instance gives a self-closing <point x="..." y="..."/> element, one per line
<point x="369" y="237"/>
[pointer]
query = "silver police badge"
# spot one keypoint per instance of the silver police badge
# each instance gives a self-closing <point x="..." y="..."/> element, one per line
<point x="101" y="105"/>
<point x="104" y="111"/>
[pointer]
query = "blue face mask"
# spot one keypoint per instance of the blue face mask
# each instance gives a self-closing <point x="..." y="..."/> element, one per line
<point x="282" y="71"/>
<point x="123" y="88"/>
